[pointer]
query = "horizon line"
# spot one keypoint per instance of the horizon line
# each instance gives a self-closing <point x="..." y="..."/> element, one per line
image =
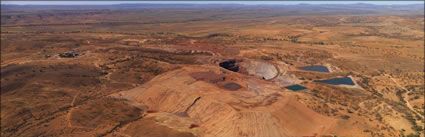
<point x="105" y="3"/>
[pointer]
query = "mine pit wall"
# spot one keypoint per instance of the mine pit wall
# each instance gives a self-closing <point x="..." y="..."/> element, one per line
<point x="261" y="69"/>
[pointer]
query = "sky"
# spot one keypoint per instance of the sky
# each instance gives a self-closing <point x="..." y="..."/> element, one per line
<point x="208" y="2"/>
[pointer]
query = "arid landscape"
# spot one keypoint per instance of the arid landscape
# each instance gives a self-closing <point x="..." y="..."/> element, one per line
<point x="185" y="70"/>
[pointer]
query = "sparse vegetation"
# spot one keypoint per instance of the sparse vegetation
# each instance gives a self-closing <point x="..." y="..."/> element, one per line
<point x="98" y="70"/>
<point x="345" y="117"/>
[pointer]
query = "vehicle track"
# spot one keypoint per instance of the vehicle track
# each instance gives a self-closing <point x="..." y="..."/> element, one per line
<point x="405" y="97"/>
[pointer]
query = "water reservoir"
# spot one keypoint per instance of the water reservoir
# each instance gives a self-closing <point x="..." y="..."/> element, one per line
<point x="295" y="87"/>
<point x="338" y="81"/>
<point x="317" y="68"/>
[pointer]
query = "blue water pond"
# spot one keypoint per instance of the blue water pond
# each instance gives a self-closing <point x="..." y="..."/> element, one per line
<point x="338" y="81"/>
<point x="317" y="68"/>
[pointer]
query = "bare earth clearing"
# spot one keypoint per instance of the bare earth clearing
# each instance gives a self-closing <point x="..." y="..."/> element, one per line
<point x="211" y="70"/>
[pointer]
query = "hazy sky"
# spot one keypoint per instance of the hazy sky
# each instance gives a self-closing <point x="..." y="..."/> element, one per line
<point x="207" y="2"/>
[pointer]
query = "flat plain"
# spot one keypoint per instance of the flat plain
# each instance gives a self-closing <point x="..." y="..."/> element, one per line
<point x="183" y="70"/>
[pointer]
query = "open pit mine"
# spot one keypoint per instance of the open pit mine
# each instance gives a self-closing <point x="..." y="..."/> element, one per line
<point x="212" y="70"/>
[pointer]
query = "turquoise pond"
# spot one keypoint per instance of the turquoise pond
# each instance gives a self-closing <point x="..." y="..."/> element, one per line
<point x="295" y="87"/>
<point x="317" y="68"/>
